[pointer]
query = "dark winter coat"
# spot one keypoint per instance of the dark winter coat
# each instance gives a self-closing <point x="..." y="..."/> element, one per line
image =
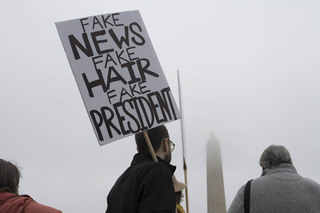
<point x="145" y="187"/>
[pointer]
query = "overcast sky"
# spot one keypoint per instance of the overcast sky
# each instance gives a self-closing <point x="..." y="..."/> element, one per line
<point x="249" y="74"/>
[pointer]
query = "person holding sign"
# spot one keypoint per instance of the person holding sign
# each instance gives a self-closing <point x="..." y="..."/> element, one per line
<point x="10" y="201"/>
<point x="146" y="186"/>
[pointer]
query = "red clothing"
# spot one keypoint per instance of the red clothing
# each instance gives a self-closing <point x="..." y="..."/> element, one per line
<point x="12" y="203"/>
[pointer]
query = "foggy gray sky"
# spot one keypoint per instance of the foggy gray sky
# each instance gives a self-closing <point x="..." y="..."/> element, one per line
<point x="249" y="73"/>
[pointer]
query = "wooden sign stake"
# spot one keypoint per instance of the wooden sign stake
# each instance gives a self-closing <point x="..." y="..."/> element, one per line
<point x="183" y="145"/>
<point x="186" y="182"/>
<point x="153" y="154"/>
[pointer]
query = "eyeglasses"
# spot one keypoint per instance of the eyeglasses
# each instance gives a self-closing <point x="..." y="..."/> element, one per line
<point x="172" y="145"/>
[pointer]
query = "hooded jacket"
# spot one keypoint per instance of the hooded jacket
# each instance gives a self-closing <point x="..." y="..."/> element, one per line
<point x="145" y="187"/>
<point x="12" y="203"/>
<point x="280" y="189"/>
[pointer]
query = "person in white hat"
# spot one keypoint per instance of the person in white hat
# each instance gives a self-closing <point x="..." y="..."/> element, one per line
<point x="178" y="187"/>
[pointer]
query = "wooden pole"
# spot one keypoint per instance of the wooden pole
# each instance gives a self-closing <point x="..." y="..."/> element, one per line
<point x="153" y="154"/>
<point x="186" y="182"/>
<point x="183" y="145"/>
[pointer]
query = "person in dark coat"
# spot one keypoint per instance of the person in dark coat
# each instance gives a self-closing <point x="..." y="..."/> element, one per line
<point x="10" y="200"/>
<point x="280" y="188"/>
<point x="146" y="186"/>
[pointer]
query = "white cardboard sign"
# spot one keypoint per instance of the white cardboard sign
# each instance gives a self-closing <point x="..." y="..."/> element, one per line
<point x="118" y="74"/>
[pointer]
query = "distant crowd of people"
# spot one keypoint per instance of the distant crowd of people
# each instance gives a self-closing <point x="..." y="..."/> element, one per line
<point x="149" y="185"/>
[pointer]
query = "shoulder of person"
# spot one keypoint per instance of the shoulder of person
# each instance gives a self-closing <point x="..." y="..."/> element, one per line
<point x="311" y="182"/>
<point x="160" y="169"/>
<point x="155" y="165"/>
<point x="35" y="207"/>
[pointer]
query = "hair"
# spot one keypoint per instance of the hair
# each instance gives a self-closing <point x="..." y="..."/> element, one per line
<point x="156" y="136"/>
<point x="274" y="155"/>
<point x="9" y="177"/>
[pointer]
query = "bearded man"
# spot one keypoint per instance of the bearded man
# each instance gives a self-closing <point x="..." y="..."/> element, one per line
<point x="146" y="186"/>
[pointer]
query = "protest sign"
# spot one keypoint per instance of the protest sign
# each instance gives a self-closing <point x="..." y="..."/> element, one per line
<point x="118" y="74"/>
